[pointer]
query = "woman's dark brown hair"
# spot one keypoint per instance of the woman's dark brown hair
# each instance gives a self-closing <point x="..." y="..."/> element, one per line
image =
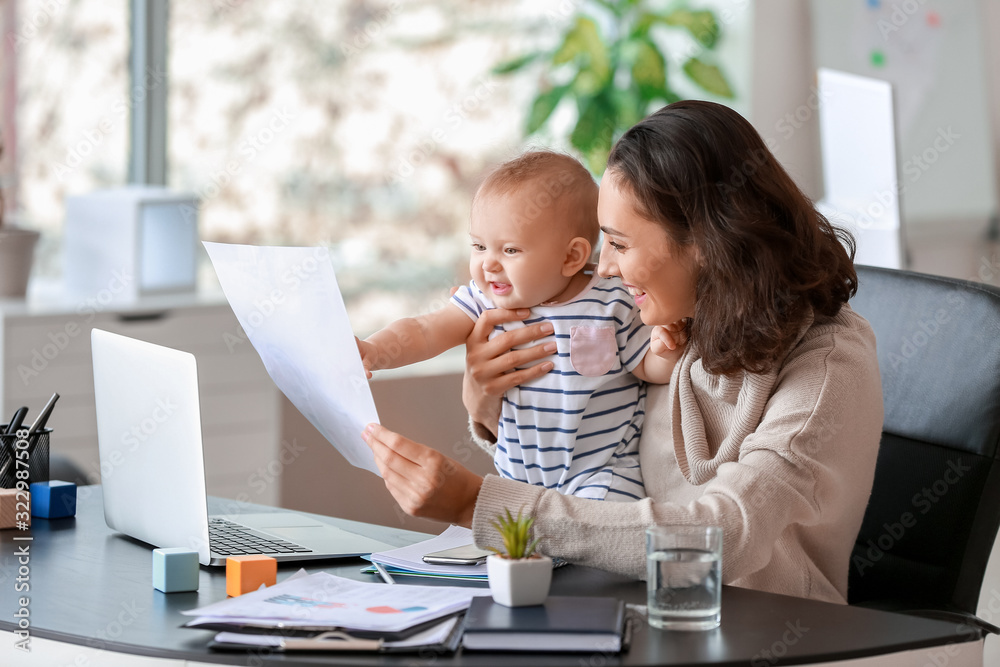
<point x="768" y="259"/>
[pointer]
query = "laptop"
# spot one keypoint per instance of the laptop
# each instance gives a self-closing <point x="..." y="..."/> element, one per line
<point x="153" y="468"/>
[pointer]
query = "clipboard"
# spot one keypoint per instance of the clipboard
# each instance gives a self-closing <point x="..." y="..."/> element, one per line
<point x="340" y="641"/>
<point x="277" y="629"/>
<point x="332" y="640"/>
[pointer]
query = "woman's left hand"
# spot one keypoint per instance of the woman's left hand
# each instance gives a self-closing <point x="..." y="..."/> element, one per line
<point x="424" y="482"/>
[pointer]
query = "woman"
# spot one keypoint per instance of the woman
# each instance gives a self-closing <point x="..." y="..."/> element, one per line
<point x="770" y="425"/>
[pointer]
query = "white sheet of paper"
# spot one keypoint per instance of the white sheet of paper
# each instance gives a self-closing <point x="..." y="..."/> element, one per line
<point x="289" y="304"/>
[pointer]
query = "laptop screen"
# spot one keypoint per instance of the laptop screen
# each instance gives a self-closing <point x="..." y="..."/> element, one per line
<point x="149" y="438"/>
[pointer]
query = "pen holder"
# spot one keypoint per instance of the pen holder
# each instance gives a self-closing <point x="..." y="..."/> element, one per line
<point x="36" y="464"/>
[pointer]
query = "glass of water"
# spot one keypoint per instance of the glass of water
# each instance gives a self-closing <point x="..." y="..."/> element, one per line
<point x="684" y="577"/>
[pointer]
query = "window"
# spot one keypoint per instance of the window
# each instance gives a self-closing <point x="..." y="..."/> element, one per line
<point x="361" y="126"/>
<point x="364" y="126"/>
<point x="65" y="103"/>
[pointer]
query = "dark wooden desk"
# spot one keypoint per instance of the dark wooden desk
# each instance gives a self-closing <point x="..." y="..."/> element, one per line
<point x="93" y="587"/>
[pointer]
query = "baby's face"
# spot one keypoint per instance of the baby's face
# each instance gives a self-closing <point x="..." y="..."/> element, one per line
<point x="518" y="250"/>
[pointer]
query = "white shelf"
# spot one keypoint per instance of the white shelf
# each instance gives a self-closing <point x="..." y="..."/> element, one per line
<point x="45" y="348"/>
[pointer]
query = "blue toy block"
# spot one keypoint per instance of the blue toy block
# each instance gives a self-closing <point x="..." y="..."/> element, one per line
<point x="175" y="570"/>
<point x="54" y="499"/>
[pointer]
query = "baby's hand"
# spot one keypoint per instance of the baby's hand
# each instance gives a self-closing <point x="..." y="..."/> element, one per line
<point x="369" y="353"/>
<point x="667" y="340"/>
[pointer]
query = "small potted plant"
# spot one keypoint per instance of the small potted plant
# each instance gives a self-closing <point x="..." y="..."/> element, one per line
<point x="518" y="577"/>
<point x="17" y="249"/>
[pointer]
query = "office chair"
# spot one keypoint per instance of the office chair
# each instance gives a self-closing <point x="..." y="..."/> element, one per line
<point x="935" y="506"/>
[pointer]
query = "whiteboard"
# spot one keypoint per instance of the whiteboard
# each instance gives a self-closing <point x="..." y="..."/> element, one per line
<point x="932" y="53"/>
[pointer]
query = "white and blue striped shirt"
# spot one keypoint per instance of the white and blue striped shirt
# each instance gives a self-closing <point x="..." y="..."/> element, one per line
<point x="576" y="428"/>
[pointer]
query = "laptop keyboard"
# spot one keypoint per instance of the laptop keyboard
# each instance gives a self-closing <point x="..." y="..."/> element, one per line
<point x="232" y="539"/>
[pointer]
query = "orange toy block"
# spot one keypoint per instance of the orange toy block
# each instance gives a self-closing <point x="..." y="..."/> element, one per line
<point x="9" y="510"/>
<point x="245" y="574"/>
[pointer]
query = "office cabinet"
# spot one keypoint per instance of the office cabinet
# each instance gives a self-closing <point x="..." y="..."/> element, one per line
<point x="45" y="348"/>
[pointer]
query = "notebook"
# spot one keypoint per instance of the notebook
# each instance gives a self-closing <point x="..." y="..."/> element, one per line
<point x="153" y="470"/>
<point x="562" y="623"/>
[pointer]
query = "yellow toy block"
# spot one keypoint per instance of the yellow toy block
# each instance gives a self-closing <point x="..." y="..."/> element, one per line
<point x="9" y="498"/>
<point x="245" y="574"/>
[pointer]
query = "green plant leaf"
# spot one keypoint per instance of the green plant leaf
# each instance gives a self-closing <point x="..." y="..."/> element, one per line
<point x="644" y="22"/>
<point x="583" y="43"/>
<point x="701" y="24"/>
<point x="649" y="71"/>
<point x="515" y="533"/>
<point x="571" y="45"/>
<point x="584" y="133"/>
<point x="543" y="106"/>
<point x="587" y="84"/>
<point x="595" y="130"/>
<point x="516" y="64"/>
<point x="708" y="77"/>
<point x="631" y="107"/>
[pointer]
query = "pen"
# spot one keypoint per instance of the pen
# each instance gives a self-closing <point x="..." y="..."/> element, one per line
<point x="384" y="573"/>
<point x="43" y="416"/>
<point x="16" y="420"/>
<point x="12" y="429"/>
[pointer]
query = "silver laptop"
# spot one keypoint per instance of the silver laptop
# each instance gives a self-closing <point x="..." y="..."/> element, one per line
<point x="154" y="487"/>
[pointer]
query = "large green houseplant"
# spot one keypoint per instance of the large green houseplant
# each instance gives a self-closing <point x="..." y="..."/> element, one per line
<point x="615" y="76"/>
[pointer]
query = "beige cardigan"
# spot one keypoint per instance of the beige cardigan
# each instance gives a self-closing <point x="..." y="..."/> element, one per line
<point x="783" y="461"/>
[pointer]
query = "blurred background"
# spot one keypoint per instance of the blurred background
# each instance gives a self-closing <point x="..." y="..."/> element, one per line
<point x="365" y="126"/>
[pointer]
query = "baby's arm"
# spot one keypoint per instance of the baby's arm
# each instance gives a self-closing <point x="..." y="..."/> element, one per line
<point x="666" y="345"/>
<point x="412" y="339"/>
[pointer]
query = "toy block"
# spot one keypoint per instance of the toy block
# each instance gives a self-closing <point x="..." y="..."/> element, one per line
<point x="54" y="499"/>
<point x="245" y="574"/>
<point x="9" y="509"/>
<point x="175" y="570"/>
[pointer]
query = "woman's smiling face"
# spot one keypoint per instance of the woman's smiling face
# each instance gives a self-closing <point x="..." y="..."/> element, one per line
<point x="660" y="275"/>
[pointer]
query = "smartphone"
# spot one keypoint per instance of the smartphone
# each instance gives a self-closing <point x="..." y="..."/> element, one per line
<point x="465" y="555"/>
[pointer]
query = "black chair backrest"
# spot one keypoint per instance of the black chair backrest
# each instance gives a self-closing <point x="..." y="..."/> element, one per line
<point x="935" y="506"/>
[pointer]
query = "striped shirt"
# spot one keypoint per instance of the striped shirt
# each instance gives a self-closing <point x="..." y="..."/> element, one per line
<point x="576" y="428"/>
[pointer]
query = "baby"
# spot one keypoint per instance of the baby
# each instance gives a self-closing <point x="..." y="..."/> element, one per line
<point x="576" y="428"/>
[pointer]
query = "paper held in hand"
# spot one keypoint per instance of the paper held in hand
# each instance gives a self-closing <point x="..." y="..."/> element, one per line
<point x="289" y="304"/>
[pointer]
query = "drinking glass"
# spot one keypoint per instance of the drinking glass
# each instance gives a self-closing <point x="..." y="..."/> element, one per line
<point x="684" y="577"/>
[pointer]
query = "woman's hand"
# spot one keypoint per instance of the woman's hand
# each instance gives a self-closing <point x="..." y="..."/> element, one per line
<point x="424" y="482"/>
<point x="490" y="364"/>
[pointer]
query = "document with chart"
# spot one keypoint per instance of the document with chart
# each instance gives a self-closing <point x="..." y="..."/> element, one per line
<point x="322" y="600"/>
<point x="289" y="304"/>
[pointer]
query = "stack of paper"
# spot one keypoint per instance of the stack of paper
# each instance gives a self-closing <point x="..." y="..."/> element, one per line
<point x="408" y="560"/>
<point x="323" y="601"/>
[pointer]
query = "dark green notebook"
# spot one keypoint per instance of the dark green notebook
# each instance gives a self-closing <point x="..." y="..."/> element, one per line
<point x="563" y="623"/>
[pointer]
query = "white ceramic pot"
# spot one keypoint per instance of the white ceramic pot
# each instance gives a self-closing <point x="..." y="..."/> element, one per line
<point x="17" y="250"/>
<point x="519" y="583"/>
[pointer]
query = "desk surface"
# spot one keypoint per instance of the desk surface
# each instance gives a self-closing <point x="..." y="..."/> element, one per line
<point x="93" y="587"/>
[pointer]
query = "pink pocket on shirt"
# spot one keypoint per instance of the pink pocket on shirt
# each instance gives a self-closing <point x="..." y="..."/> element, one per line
<point x="592" y="350"/>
